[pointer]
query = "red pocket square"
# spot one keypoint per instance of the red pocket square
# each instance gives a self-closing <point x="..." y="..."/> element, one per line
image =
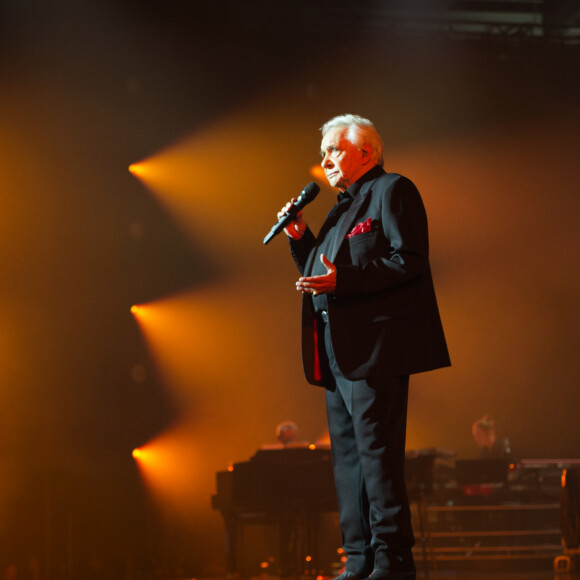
<point x="360" y="229"/>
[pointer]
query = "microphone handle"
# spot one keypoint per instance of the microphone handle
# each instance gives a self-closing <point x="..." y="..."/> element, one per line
<point x="278" y="227"/>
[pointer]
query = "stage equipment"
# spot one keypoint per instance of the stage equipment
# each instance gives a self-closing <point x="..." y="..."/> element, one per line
<point x="481" y="514"/>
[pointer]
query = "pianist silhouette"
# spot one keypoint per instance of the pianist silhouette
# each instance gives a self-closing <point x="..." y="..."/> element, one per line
<point x="369" y="320"/>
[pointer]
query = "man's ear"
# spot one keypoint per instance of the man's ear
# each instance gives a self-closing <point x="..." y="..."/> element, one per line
<point x="367" y="153"/>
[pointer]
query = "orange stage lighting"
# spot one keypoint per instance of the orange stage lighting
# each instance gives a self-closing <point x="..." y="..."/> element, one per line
<point x="191" y="181"/>
<point x="136" y="169"/>
<point x="564" y="474"/>
<point x="168" y="467"/>
<point x="142" y="311"/>
<point x="318" y="173"/>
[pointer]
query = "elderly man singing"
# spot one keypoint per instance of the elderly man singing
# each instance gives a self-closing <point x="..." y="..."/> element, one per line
<point x="369" y="320"/>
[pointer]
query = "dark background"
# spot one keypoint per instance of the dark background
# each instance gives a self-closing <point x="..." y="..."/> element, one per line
<point x="486" y="126"/>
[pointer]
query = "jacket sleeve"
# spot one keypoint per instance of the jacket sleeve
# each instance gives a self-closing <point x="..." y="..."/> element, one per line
<point x="300" y="249"/>
<point x="394" y="254"/>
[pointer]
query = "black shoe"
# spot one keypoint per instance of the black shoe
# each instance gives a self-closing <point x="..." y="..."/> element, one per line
<point x="384" y="574"/>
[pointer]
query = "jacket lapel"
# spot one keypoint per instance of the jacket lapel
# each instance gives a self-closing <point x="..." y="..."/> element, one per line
<point x="345" y="224"/>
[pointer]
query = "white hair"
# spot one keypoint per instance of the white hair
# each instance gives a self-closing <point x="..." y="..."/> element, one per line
<point x="360" y="131"/>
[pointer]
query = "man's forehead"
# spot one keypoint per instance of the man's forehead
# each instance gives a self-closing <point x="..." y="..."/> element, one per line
<point x="333" y="137"/>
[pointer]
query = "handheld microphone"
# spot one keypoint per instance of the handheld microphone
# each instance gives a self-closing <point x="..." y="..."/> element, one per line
<point x="305" y="197"/>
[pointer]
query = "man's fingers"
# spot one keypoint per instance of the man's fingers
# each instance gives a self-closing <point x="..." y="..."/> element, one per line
<point x="329" y="265"/>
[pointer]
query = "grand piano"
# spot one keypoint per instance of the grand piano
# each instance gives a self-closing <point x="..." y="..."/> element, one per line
<point x="288" y="488"/>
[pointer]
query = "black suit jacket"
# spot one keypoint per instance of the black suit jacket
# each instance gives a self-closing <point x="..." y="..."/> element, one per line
<point x="383" y="317"/>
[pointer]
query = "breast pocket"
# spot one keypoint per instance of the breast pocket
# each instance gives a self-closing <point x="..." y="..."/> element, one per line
<point x="365" y="247"/>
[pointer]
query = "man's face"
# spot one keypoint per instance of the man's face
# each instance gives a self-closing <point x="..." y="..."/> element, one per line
<point x="342" y="161"/>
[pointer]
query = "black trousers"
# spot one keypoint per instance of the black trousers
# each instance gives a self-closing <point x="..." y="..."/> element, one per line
<point x="367" y="422"/>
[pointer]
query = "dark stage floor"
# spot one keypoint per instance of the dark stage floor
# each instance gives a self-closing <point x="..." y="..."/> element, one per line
<point x="530" y="575"/>
<point x="506" y="574"/>
<point x="454" y="575"/>
<point x="445" y="575"/>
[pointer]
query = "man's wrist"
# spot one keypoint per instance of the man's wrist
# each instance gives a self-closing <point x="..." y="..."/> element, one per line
<point x="295" y="232"/>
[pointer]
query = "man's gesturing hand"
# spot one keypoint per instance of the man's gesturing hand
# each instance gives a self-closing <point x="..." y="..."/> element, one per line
<point x="325" y="283"/>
